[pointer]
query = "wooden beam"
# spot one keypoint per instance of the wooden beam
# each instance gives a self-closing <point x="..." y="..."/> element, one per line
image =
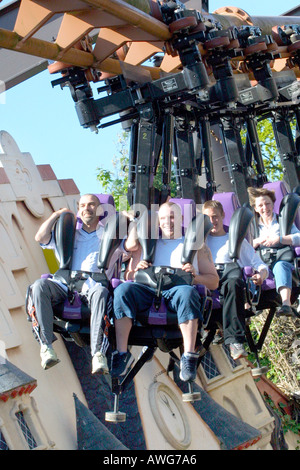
<point x="51" y="51"/>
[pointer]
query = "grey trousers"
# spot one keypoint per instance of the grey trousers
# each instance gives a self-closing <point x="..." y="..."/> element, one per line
<point x="46" y="294"/>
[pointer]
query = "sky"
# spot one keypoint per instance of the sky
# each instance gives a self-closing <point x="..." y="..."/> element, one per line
<point x="43" y="121"/>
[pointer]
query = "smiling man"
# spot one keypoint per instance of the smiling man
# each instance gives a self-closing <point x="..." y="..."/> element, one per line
<point x="48" y="292"/>
<point x="130" y="298"/>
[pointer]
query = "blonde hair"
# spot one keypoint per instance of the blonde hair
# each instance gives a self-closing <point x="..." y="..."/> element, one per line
<point x="213" y="204"/>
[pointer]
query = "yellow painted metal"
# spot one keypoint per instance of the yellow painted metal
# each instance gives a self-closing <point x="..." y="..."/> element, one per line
<point x="51" y="261"/>
<point x="47" y="50"/>
<point x="51" y="51"/>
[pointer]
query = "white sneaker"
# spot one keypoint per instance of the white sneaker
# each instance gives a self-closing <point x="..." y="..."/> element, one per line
<point x="48" y="356"/>
<point x="237" y="351"/>
<point x="99" y="364"/>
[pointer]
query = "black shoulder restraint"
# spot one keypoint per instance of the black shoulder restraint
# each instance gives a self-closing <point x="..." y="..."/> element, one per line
<point x="64" y="234"/>
<point x="164" y="277"/>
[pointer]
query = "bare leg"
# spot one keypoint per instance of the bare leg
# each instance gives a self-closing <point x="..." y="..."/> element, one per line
<point x="123" y="327"/>
<point x="189" y="332"/>
<point x="285" y="294"/>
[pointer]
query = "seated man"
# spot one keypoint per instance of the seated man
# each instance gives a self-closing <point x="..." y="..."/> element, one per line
<point x="263" y="200"/>
<point x="232" y="289"/>
<point x="49" y="292"/>
<point x="132" y="297"/>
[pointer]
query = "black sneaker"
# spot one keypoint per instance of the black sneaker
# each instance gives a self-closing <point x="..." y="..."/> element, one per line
<point x="188" y="366"/>
<point x="285" y="311"/>
<point x="120" y="363"/>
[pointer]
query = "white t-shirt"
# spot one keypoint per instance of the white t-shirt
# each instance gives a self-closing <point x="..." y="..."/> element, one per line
<point x="219" y="246"/>
<point x="168" y="253"/>
<point x="86" y="250"/>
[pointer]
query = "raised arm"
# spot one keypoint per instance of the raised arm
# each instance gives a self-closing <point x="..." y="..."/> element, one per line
<point x="131" y="242"/>
<point x="43" y="234"/>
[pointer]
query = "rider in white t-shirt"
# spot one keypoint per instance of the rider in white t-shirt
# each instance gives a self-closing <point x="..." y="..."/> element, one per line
<point x="48" y="292"/>
<point x="130" y="298"/>
<point x="231" y="289"/>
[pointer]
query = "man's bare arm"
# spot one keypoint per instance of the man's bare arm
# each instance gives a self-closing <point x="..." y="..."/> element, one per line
<point x="43" y="234"/>
<point x="208" y="275"/>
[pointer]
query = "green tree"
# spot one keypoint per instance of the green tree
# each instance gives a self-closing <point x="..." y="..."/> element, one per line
<point x="269" y="150"/>
<point x="116" y="182"/>
<point x="271" y="159"/>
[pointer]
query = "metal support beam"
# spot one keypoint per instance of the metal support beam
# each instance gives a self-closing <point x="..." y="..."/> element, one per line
<point x="253" y="142"/>
<point x="185" y="155"/>
<point x="236" y="158"/>
<point x="286" y="148"/>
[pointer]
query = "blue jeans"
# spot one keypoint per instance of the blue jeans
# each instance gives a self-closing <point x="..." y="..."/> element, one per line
<point x="132" y="297"/>
<point x="282" y="271"/>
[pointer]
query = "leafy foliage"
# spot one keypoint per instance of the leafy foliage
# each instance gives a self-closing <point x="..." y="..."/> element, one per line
<point x="116" y="182"/>
<point x="272" y="163"/>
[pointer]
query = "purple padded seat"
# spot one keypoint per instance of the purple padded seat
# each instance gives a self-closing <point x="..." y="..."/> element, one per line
<point x="188" y="210"/>
<point x="216" y="304"/>
<point x="229" y="202"/>
<point x="161" y="316"/>
<point x="280" y="191"/>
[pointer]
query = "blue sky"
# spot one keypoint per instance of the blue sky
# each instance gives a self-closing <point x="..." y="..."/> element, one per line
<point x="43" y="120"/>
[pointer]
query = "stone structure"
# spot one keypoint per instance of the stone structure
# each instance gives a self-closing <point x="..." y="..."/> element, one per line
<point x="20" y="424"/>
<point x="28" y="195"/>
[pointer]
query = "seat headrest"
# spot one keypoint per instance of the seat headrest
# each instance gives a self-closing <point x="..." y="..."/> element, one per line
<point x="229" y="202"/>
<point x="280" y="190"/>
<point x="106" y="199"/>
<point x="188" y="209"/>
